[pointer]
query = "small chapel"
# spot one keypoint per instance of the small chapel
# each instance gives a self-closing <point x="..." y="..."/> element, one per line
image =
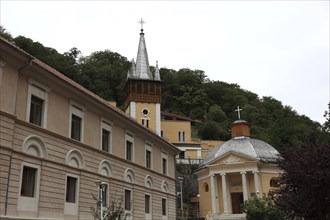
<point x="235" y="171"/>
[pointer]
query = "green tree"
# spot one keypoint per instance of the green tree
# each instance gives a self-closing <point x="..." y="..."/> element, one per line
<point x="326" y="125"/>
<point x="60" y="62"/>
<point x="104" y="73"/>
<point x="262" y="209"/>
<point x="5" y="34"/>
<point x="216" y="114"/>
<point x="304" y="186"/>
<point x="210" y="131"/>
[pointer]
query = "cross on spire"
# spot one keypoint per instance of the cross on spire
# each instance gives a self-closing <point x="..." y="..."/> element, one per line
<point x="141" y="22"/>
<point x="238" y="112"/>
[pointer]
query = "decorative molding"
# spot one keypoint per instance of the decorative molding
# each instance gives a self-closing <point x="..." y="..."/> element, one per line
<point x="231" y="160"/>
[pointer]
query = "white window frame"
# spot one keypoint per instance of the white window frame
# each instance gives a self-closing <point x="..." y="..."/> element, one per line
<point x="79" y="111"/>
<point x="129" y="137"/>
<point x="148" y="146"/>
<point x="106" y="125"/>
<point x="164" y="156"/>
<point x="148" y="216"/>
<point x="40" y="91"/>
<point x="71" y="208"/>
<point x="29" y="203"/>
<point x="164" y="217"/>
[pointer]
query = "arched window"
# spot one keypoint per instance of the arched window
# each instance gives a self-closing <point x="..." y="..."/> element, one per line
<point x="148" y="182"/>
<point x="33" y="145"/>
<point x="274" y="182"/>
<point x="164" y="186"/>
<point x="129" y="175"/>
<point x="74" y="158"/>
<point x="206" y="187"/>
<point x="105" y="168"/>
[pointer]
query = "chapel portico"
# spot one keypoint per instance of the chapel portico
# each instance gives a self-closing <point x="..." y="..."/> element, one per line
<point x="234" y="172"/>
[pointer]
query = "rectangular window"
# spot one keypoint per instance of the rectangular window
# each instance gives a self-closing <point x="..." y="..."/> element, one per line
<point x="37" y="99"/>
<point x="104" y="194"/>
<point x="105" y="140"/>
<point x="148" y="158"/>
<point x="75" y="127"/>
<point x="36" y="110"/>
<point x="71" y="188"/>
<point x="164" y="207"/>
<point x="129" y="146"/>
<point x="28" y="181"/>
<point x="183" y="136"/>
<point x="181" y="154"/>
<point x="147" y="204"/>
<point x="164" y="164"/>
<point x="127" y="200"/>
<point x="179" y="136"/>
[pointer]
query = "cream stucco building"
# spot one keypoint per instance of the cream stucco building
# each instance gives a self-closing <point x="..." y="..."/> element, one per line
<point x="235" y="171"/>
<point x="57" y="139"/>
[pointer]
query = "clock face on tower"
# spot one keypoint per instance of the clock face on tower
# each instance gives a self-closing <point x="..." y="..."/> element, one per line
<point x="145" y="112"/>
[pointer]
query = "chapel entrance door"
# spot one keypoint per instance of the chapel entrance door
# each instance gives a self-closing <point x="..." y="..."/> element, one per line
<point x="237" y="202"/>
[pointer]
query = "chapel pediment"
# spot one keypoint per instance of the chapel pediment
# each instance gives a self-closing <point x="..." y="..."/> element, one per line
<point x="232" y="158"/>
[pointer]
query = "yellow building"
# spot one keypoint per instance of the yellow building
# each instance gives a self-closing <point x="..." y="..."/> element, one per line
<point x="235" y="171"/>
<point x="57" y="139"/>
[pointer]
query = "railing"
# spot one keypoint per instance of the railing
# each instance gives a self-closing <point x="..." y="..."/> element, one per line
<point x="188" y="215"/>
<point x="188" y="161"/>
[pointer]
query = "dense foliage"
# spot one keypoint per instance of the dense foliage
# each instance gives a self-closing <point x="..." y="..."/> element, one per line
<point x="186" y="92"/>
<point x="304" y="186"/>
<point x="262" y="209"/>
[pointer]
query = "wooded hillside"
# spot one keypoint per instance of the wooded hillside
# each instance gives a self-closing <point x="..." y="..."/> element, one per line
<point x="186" y="92"/>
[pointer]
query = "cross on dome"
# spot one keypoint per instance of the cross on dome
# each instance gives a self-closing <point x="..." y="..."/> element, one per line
<point x="238" y="112"/>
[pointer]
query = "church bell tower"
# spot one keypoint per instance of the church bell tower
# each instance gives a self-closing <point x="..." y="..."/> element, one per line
<point x="143" y="89"/>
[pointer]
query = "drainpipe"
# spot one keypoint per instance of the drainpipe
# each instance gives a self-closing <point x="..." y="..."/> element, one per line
<point x="26" y="66"/>
<point x="20" y="70"/>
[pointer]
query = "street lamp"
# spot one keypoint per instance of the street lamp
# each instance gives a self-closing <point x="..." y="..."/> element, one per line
<point x="198" y="195"/>
<point x="181" y="206"/>
<point x="101" y="187"/>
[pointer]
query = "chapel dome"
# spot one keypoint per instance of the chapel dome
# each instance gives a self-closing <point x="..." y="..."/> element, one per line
<point x="243" y="145"/>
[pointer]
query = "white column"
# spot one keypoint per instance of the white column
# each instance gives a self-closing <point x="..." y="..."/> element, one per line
<point x="245" y="187"/>
<point x="257" y="183"/>
<point x="213" y="195"/>
<point x="224" y="193"/>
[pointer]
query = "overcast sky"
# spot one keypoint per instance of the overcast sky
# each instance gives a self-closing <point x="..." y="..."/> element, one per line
<point x="272" y="48"/>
